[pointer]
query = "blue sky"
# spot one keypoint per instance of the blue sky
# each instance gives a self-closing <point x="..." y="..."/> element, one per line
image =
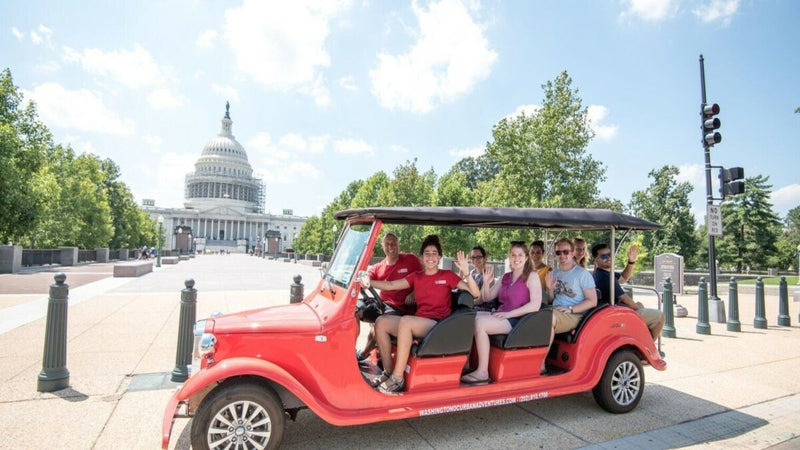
<point x="325" y="92"/>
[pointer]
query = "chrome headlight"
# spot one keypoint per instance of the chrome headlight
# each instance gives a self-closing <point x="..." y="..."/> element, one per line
<point x="207" y="343"/>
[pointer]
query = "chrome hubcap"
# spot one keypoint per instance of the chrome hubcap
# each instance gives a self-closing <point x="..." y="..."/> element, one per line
<point x="239" y="425"/>
<point x="625" y="383"/>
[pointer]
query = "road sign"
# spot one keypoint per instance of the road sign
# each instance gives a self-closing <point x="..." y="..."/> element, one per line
<point x="714" y="220"/>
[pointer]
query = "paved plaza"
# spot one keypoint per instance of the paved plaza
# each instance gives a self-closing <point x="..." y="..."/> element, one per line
<point x="723" y="390"/>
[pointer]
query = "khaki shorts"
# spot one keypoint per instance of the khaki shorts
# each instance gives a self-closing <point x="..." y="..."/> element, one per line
<point x="566" y="321"/>
<point x="650" y="316"/>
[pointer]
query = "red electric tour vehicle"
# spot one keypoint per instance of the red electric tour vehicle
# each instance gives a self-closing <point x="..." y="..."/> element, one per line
<point x="261" y="366"/>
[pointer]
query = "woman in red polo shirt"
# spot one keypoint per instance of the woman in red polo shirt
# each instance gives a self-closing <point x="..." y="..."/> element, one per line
<point x="432" y="287"/>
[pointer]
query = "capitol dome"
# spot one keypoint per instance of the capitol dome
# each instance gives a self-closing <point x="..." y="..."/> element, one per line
<point x="223" y="176"/>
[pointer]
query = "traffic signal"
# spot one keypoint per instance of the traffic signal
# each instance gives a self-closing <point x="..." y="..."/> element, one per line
<point x="731" y="181"/>
<point x="710" y="124"/>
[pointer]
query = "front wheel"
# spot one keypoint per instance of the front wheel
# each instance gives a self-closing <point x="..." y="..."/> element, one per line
<point x="622" y="384"/>
<point x="239" y="416"/>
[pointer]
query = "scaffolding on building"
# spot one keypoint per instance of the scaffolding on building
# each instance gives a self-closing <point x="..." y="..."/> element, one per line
<point x="261" y="195"/>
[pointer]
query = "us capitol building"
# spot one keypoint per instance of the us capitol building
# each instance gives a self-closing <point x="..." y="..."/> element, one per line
<point x="224" y="205"/>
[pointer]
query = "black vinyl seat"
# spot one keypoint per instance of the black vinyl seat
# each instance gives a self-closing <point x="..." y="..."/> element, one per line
<point x="453" y="334"/>
<point x="572" y="335"/>
<point x="532" y="330"/>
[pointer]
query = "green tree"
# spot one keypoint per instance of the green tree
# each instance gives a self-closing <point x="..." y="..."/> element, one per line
<point x="410" y="187"/>
<point x="666" y="202"/>
<point x="477" y="169"/>
<point x="132" y="226"/>
<point x="25" y="143"/>
<point x="750" y="226"/>
<point x="80" y="215"/>
<point x="543" y="160"/>
<point x="452" y="190"/>
<point x="788" y="241"/>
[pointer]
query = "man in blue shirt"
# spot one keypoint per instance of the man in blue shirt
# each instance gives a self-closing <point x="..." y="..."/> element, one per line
<point x="602" y="277"/>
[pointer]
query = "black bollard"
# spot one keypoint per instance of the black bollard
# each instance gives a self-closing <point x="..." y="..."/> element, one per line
<point x="669" y="316"/>
<point x="296" y="290"/>
<point x="183" y="353"/>
<point x="733" y="307"/>
<point x="702" y="308"/>
<point x="783" y="304"/>
<point x="54" y="375"/>
<point x="760" y="320"/>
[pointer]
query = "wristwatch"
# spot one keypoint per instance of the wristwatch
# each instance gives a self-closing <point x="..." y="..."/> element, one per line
<point x="571" y="311"/>
<point x="631" y="262"/>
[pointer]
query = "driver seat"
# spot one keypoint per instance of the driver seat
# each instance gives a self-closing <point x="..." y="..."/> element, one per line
<point x="453" y="334"/>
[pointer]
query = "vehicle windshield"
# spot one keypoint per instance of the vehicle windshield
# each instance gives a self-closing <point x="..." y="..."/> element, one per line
<point x="348" y="253"/>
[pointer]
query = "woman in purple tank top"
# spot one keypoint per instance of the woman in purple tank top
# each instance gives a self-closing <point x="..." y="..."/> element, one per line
<point x="518" y="294"/>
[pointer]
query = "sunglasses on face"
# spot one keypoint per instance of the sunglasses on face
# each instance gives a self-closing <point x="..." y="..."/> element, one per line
<point x="604" y="256"/>
<point x="476" y="257"/>
<point x="562" y="252"/>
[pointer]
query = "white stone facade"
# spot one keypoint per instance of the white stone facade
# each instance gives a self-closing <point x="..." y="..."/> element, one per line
<point x="224" y="205"/>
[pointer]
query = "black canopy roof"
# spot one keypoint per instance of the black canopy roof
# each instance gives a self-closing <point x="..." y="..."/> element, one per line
<point x="545" y="218"/>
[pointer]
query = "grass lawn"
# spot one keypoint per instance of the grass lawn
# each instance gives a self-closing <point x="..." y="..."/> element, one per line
<point x="791" y="281"/>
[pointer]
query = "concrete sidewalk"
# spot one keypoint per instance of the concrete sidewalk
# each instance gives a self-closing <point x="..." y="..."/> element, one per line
<point x="720" y="390"/>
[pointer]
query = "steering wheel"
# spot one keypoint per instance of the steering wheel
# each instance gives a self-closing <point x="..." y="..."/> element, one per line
<point x="374" y="299"/>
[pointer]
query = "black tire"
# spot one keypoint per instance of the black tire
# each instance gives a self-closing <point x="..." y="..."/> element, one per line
<point x="622" y="384"/>
<point x="235" y="415"/>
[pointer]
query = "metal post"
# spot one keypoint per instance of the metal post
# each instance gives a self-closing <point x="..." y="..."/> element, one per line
<point x="733" y="307"/>
<point x="783" y="302"/>
<point x="702" y="308"/>
<point x="183" y="353"/>
<point x="717" y="306"/>
<point x="296" y="290"/>
<point x="760" y="320"/>
<point x="54" y="375"/>
<point x="669" y="316"/>
<point x="158" y="238"/>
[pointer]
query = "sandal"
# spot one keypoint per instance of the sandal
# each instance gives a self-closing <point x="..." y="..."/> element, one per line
<point x="376" y="382"/>
<point x="473" y="380"/>
<point x="392" y="386"/>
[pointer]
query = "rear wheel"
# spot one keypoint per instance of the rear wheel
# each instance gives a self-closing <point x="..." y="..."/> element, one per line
<point x="239" y="416"/>
<point x="622" y="384"/>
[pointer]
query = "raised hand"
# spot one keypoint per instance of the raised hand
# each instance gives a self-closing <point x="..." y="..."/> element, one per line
<point x="462" y="262"/>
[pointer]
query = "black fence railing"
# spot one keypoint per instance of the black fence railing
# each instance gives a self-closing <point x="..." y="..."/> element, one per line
<point x="40" y="257"/>
<point x="87" y="255"/>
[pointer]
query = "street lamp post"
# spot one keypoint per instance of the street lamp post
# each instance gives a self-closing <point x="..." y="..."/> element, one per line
<point x="160" y="221"/>
<point x="334" y="229"/>
<point x="796" y="294"/>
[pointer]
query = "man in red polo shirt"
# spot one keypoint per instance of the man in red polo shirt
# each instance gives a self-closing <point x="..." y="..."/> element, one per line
<point x="394" y="266"/>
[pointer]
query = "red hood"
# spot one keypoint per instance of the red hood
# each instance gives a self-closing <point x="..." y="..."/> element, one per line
<point x="298" y="317"/>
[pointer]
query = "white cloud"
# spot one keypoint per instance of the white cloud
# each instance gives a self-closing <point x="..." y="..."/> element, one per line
<point x="467" y="152"/>
<point x="229" y="92"/>
<point x="133" y="68"/>
<point x="281" y="45"/>
<point x="595" y="115"/>
<point x="301" y="144"/>
<point x="451" y="55"/>
<point x="787" y="197"/>
<point x="717" y="10"/>
<point x="169" y="171"/>
<point x="398" y="149"/>
<point x="649" y="10"/>
<point x="695" y="174"/>
<point x="353" y="147"/>
<point x="165" y="98"/>
<point x="17" y="34"/>
<point x="348" y="83"/>
<point x="528" y="110"/>
<point x="153" y="141"/>
<point x="206" y="39"/>
<point x="42" y="35"/>
<point x="78" y="110"/>
<point x="80" y="145"/>
<point x="47" y="67"/>
<point x="282" y="173"/>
